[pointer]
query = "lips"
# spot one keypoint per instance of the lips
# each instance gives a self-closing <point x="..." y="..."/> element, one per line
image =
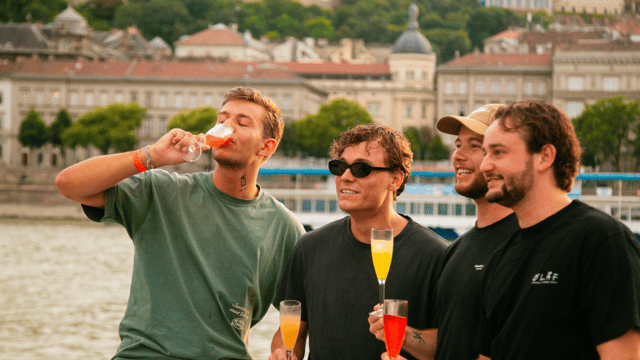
<point x="348" y="192"/>
<point x="463" y="172"/>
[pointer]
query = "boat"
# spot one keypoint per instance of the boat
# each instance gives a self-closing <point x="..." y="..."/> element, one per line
<point x="429" y="198"/>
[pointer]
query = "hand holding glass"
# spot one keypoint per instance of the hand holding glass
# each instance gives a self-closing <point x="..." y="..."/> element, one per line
<point x="215" y="137"/>
<point x="395" y="324"/>
<point x="381" y="251"/>
<point x="290" y="311"/>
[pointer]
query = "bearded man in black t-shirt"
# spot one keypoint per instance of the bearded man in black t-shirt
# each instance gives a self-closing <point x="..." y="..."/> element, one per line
<point x="567" y="285"/>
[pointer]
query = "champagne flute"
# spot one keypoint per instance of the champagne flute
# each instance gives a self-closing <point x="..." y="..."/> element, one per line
<point x="395" y="324"/>
<point x="290" y="323"/>
<point x="219" y="135"/>
<point x="381" y="252"/>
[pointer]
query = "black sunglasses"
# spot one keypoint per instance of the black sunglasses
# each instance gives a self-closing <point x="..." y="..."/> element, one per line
<point x="359" y="169"/>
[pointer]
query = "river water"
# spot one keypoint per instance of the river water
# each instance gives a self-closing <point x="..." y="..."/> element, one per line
<point x="64" y="289"/>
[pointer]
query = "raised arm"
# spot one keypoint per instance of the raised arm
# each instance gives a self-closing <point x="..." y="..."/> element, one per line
<point x="277" y="344"/>
<point x="86" y="181"/>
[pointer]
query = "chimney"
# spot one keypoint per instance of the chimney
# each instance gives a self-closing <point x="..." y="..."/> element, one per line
<point x="457" y="54"/>
<point x="476" y="51"/>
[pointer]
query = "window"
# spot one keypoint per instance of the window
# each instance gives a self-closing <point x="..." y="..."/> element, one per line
<point x="424" y="76"/>
<point x="40" y="158"/>
<point x="462" y="87"/>
<point x="147" y="126"/>
<point x="320" y="205"/>
<point x="286" y="103"/>
<point x="575" y="83"/>
<point x="511" y="88"/>
<point x="134" y="96"/>
<point x="208" y="100"/>
<point x="479" y="87"/>
<point x="54" y="159"/>
<point x="178" y="100"/>
<point x="401" y="207"/>
<point x="40" y="98"/>
<point x="163" y="100"/>
<point x="428" y="209"/>
<point x="542" y="88"/>
<point x="448" y="88"/>
<point x="192" y="101"/>
<point x="306" y="205"/>
<point x="610" y="84"/>
<point x="54" y="97"/>
<point x="0" y="126"/>
<point x="424" y="110"/>
<point x="414" y="208"/>
<point x="574" y="108"/>
<point x="149" y="99"/>
<point x="73" y="98"/>
<point x="0" y="98"/>
<point x="373" y="109"/>
<point x="495" y="88"/>
<point x="89" y="99"/>
<point x="162" y="125"/>
<point x="443" y="209"/>
<point x="103" y="99"/>
<point x="528" y="89"/>
<point x="409" y="75"/>
<point x="409" y="111"/>
<point x="470" y="210"/>
<point x="333" y="206"/>
<point x="458" y="209"/>
<point x="119" y="97"/>
<point x="463" y="109"/>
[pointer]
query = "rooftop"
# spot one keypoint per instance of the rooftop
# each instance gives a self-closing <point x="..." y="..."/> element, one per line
<point x="494" y="60"/>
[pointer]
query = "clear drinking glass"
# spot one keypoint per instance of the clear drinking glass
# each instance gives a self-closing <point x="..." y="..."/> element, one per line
<point x="381" y="252"/>
<point x="290" y="311"/>
<point x="395" y="324"/>
<point x="215" y="137"/>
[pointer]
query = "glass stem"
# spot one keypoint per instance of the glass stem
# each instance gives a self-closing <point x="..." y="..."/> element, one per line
<point x="381" y="282"/>
<point x="288" y="354"/>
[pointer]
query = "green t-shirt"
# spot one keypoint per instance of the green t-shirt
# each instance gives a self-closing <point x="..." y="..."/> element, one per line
<point x="206" y="264"/>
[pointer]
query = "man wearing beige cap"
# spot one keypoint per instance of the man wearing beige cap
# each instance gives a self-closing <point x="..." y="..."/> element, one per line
<point x="458" y="291"/>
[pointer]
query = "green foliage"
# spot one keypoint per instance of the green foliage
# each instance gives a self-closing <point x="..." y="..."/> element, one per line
<point x="38" y="10"/>
<point x="164" y="18"/>
<point x="320" y="27"/>
<point x="313" y="135"/>
<point x="58" y="127"/>
<point x="437" y="150"/>
<point x="446" y="42"/>
<point x="33" y="131"/>
<point x="605" y="130"/>
<point x="196" y="121"/>
<point x="107" y="128"/>
<point x="486" y="22"/>
<point x="420" y="139"/>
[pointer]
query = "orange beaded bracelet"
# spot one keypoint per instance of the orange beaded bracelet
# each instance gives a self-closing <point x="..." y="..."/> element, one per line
<point x="137" y="162"/>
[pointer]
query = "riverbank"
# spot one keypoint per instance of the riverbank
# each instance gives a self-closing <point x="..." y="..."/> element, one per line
<point x="32" y="212"/>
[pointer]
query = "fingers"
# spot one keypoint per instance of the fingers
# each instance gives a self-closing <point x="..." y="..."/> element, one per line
<point x="280" y="354"/>
<point x="376" y="326"/>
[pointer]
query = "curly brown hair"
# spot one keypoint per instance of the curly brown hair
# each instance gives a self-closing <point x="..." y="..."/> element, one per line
<point x="272" y="122"/>
<point x="398" y="154"/>
<point x="540" y="124"/>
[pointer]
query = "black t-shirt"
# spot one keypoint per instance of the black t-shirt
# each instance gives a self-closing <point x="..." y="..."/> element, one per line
<point x="331" y="273"/>
<point x="561" y="287"/>
<point x="457" y="301"/>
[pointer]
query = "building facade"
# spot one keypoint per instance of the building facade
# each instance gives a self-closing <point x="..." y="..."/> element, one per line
<point x="163" y="88"/>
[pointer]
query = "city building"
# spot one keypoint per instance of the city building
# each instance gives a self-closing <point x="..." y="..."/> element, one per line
<point x="164" y="88"/>
<point x="221" y="42"/>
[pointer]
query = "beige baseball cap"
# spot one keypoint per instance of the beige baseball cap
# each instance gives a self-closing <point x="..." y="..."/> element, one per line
<point x="478" y="121"/>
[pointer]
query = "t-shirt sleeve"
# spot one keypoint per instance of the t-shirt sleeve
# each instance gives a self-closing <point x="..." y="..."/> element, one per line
<point x="127" y="203"/>
<point x="292" y="282"/>
<point x="610" y="288"/>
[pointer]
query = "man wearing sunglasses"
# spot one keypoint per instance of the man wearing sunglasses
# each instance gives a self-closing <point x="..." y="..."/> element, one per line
<point x="331" y="272"/>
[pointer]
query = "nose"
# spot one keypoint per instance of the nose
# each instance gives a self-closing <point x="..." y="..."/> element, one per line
<point x="486" y="165"/>
<point x="457" y="155"/>
<point x="347" y="175"/>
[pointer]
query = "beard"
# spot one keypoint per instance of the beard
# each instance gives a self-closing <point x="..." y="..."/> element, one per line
<point x="477" y="189"/>
<point x="514" y="188"/>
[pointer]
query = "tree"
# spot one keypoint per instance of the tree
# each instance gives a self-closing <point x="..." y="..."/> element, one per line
<point x="33" y="131"/>
<point x="57" y="128"/>
<point x="419" y="139"/>
<point x="320" y="27"/>
<point x="605" y="129"/>
<point x="107" y="128"/>
<point x="437" y="150"/>
<point x="315" y="133"/>
<point x="195" y="121"/>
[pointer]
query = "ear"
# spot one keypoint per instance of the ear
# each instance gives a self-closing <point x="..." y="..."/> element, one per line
<point x="546" y="157"/>
<point x="268" y="148"/>
<point x="396" y="181"/>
